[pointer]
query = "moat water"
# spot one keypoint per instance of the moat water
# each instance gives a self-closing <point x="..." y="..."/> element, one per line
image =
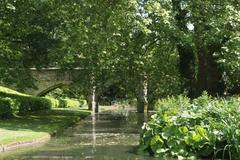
<point x="103" y="136"/>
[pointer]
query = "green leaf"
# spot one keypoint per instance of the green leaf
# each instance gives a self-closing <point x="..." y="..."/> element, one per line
<point x="200" y="130"/>
<point x="156" y="140"/>
<point x="196" y="137"/>
<point x="183" y="129"/>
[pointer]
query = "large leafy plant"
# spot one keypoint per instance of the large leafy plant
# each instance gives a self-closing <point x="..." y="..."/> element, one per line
<point x="202" y="128"/>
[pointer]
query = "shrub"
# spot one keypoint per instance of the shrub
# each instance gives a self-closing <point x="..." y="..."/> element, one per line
<point x="30" y="104"/>
<point x="62" y="103"/>
<point x="26" y="103"/>
<point x="66" y="102"/>
<point x="54" y="102"/>
<point x="72" y="102"/>
<point x="175" y="103"/>
<point x="82" y="102"/>
<point x="7" y="107"/>
<point x="203" y="128"/>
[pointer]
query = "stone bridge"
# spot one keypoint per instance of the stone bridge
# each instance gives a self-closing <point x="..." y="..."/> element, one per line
<point x="48" y="79"/>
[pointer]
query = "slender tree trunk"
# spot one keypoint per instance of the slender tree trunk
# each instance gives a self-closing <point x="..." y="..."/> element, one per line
<point x="89" y="102"/>
<point x="142" y="104"/>
<point x="96" y="104"/>
<point x="94" y="100"/>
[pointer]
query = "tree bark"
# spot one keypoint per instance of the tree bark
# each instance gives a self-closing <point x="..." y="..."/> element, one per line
<point x="197" y="65"/>
<point x="209" y="74"/>
<point x="187" y="64"/>
<point x="92" y="101"/>
<point x="142" y="103"/>
<point x="89" y="102"/>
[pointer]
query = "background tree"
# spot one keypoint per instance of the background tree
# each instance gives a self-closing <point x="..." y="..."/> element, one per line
<point x="145" y="48"/>
<point x="199" y="30"/>
<point x="27" y="36"/>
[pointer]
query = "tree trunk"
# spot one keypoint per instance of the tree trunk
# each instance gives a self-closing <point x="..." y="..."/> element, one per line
<point x="89" y="102"/>
<point x="94" y="100"/>
<point x="202" y="73"/>
<point x="142" y="103"/>
<point x="187" y="64"/>
<point x="197" y="64"/>
<point x="96" y="104"/>
<point x="209" y="75"/>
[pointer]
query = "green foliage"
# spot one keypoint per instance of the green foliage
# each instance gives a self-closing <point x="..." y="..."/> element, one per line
<point x="205" y="127"/>
<point x="26" y="38"/>
<point x="229" y="60"/>
<point x="7" y="107"/>
<point x="24" y="103"/>
<point x="124" y="43"/>
<point x="65" y="102"/>
<point x="54" y="102"/>
<point x="30" y="104"/>
<point x="11" y="91"/>
<point x="66" y="98"/>
<point x="62" y="103"/>
<point x="38" y="125"/>
<point x="71" y="103"/>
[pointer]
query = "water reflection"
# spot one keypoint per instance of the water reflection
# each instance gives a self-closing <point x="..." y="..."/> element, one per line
<point x="94" y="132"/>
<point x="102" y="136"/>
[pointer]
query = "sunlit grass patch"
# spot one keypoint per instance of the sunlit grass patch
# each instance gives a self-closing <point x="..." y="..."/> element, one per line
<point x="37" y="125"/>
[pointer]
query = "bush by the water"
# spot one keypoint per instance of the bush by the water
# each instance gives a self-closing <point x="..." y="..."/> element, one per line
<point x="30" y="104"/>
<point x="8" y="107"/>
<point x="202" y="128"/>
<point x="62" y="103"/>
<point x="66" y="102"/>
<point x="64" y="98"/>
<point x="24" y="103"/>
<point x="54" y="102"/>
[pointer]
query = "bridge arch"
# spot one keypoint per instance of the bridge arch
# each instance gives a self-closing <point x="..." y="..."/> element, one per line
<point x="51" y="88"/>
<point x="48" y="79"/>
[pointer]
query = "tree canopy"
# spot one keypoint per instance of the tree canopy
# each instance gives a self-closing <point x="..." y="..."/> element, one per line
<point x="151" y="48"/>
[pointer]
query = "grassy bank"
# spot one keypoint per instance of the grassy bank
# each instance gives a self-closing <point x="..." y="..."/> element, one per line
<point x="38" y="125"/>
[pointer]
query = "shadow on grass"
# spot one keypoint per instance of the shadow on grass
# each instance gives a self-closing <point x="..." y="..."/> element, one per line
<point x="45" y="121"/>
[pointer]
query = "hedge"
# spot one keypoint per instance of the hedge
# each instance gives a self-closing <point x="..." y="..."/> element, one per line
<point x="13" y="102"/>
<point x="65" y="102"/>
<point x="54" y="102"/>
<point x="26" y="103"/>
<point x="8" y="107"/>
<point x="30" y="104"/>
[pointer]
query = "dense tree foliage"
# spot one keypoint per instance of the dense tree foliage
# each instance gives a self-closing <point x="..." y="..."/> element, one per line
<point x="27" y="31"/>
<point x="202" y="32"/>
<point x="146" y="48"/>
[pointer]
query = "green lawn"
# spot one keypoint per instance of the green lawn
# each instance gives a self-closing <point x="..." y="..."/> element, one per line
<point x="10" y="91"/>
<point x="38" y="125"/>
